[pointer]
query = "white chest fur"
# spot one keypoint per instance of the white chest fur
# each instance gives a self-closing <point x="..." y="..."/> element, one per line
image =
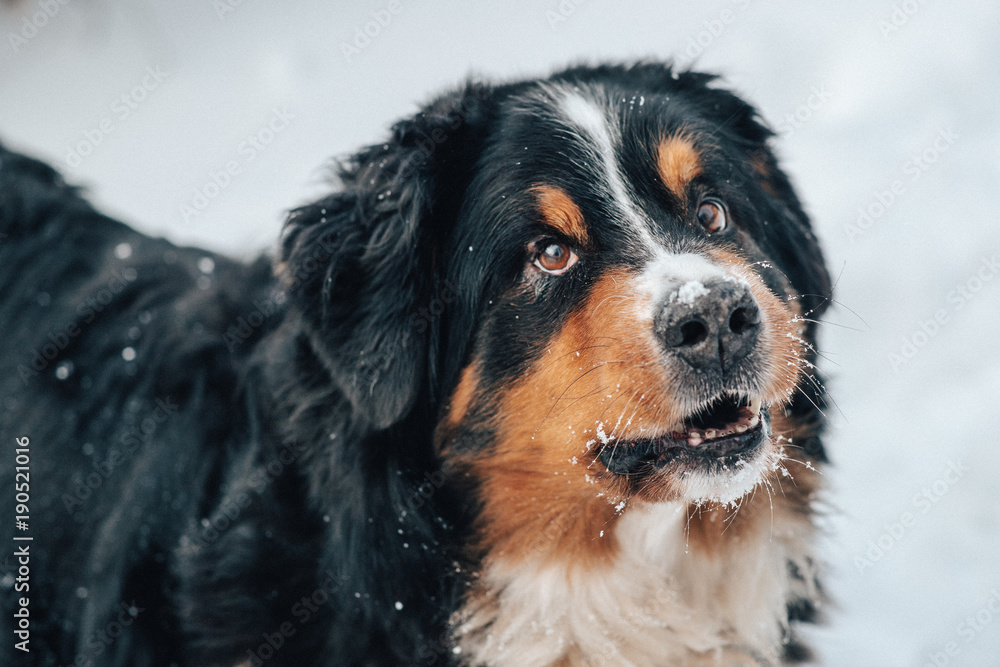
<point x="656" y="604"/>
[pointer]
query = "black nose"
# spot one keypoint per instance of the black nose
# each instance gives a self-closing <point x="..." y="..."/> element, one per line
<point x="712" y="325"/>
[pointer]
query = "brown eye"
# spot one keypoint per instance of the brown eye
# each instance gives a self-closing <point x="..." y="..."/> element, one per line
<point x="712" y="216"/>
<point x="555" y="258"/>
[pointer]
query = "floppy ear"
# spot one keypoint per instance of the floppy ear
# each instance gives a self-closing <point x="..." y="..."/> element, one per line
<point x="357" y="264"/>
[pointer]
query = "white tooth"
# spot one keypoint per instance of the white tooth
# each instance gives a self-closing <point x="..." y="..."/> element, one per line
<point x="710" y="433"/>
<point x="741" y="428"/>
<point x="755" y="404"/>
<point x="694" y="442"/>
<point x="754" y="420"/>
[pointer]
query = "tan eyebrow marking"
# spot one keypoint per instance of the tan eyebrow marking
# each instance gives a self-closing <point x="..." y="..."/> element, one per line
<point x="560" y="211"/>
<point x="678" y="163"/>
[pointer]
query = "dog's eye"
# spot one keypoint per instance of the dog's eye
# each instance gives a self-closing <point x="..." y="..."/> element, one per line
<point x="712" y="216"/>
<point x="554" y="257"/>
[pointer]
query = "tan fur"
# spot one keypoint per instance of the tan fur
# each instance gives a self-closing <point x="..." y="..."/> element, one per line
<point x="560" y="211"/>
<point x="578" y="568"/>
<point x="463" y="395"/>
<point x="758" y="163"/>
<point x="678" y="163"/>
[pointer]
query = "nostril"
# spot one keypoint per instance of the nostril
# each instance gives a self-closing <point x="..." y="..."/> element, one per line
<point x="743" y="319"/>
<point x="715" y="333"/>
<point x="693" y="332"/>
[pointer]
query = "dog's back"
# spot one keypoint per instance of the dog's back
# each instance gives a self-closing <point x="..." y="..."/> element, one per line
<point x="119" y="379"/>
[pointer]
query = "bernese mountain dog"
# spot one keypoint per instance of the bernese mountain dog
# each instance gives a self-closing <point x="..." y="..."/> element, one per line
<point x="533" y="384"/>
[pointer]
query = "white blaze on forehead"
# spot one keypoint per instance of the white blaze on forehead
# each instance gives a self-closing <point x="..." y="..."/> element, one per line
<point x="591" y="118"/>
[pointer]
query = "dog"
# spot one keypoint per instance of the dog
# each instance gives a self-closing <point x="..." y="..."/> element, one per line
<point x="534" y="384"/>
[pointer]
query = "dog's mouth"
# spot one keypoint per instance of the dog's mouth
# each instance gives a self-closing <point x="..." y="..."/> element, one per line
<point x="725" y="431"/>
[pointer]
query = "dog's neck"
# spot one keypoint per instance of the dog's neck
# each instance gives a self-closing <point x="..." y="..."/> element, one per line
<point x="679" y="588"/>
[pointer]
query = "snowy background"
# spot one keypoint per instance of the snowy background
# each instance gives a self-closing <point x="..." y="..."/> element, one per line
<point x="889" y="125"/>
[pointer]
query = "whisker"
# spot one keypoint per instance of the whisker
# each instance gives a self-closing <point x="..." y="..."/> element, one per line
<point x="614" y="431"/>
<point x="819" y="386"/>
<point x="580" y="377"/>
<point x="570" y="385"/>
<point x="729" y="520"/>
<point x="805" y="464"/>
<point x="770" y="502"/>
<point x="622" y="297"/>
<point x="841" y="304"/>
<point x="809" y="398"/>
<point x="828" y="323"/>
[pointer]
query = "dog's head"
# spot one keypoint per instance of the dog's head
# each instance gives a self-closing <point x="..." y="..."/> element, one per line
<point x="599" y="283"/>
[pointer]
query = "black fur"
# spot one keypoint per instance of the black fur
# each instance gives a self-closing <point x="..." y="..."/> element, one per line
<point x="288" y="479"/>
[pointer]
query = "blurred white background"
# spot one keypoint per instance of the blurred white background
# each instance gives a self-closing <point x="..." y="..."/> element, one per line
<point x="888" y="122"/>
